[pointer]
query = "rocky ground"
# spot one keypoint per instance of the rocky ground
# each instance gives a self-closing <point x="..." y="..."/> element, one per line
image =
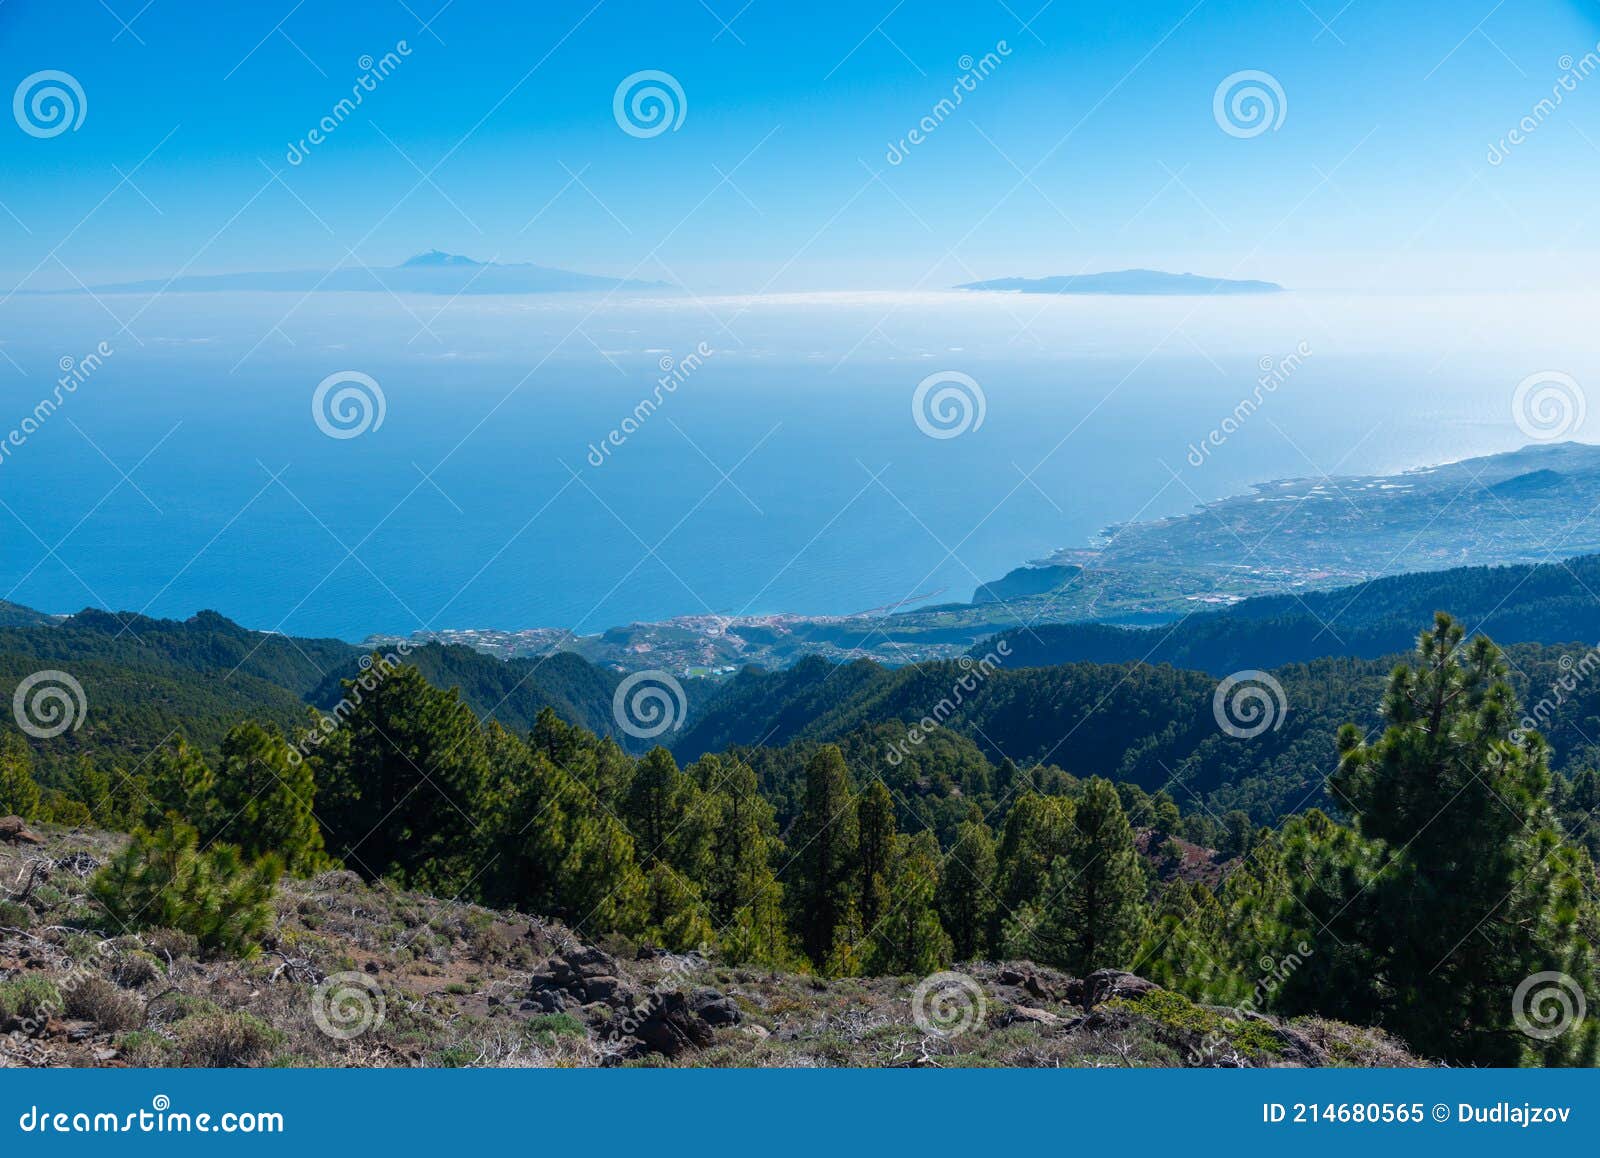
<point x="363" y="975"/>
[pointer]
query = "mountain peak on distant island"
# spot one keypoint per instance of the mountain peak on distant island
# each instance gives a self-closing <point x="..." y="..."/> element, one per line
<point x="1152" y="282"/>
<point x="437" y="257"/>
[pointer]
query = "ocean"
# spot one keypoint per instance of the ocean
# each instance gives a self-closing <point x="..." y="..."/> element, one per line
<point x="582" y="462"/>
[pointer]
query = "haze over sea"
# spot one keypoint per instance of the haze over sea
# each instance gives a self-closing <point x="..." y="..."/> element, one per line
<point x="784" y="474"/>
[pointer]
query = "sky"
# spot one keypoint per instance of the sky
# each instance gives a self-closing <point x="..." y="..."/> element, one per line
<point x="1092" y="141"/>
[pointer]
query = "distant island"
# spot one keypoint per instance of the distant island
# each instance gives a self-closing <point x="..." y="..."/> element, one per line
<point x="434" y="272"/>
<point x="1133" y="282"/>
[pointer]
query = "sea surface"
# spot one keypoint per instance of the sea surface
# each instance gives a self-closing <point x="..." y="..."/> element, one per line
<point x="782" y="470"/>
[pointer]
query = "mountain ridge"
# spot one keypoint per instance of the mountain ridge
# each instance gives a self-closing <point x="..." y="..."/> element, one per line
<point x="432" y="272"/>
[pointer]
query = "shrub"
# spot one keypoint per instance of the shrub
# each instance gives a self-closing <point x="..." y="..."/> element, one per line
<point x="135" y="968"/>
<point x="550" y="1026"/>
<point x="455" y="1057"/>
<point x="164" y="879"/>
<point x="27" y="999"/>
<point x="226" y="1040"/>
<point x="145" y="1048"/>
<point x="15" y="916"/>
<point x="173" y="943"/>
<point x="1199" y="1023"/>
<point x="96" y="999"/>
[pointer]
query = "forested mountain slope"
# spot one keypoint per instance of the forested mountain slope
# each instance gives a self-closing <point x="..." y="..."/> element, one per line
<point x="1547" y="603"/>
<point x="146" y="678"/>
<point x="1151" y="725"/>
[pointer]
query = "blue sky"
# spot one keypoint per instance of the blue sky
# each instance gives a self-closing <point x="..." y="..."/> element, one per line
<point x="1091" y="145"/>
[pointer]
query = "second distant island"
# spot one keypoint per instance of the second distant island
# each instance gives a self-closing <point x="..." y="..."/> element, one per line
<point x="1126" y="281"/>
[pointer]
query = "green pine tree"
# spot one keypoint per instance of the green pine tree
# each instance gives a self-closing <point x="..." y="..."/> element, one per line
<point x="744" y="895"/>
<point x="410" y="776"/>
<point x="875" y="837"/>
<point x="1037" y="830"/>
<point x="181" y="781"/>
<point x="966" y="895"/>
<point x="265" y="799"/>
<point x="1456" y="883"/>
<point x="557" y="850"/>
<point x="907" y="937"/>
<point x="1090" y="914"/>
<point x="19" y="795"/>
<point x="823" y="844"/>
<point x="164" y="879"/>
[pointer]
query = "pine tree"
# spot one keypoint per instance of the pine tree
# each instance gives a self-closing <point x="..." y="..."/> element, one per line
<point x="1037" y="831"/>
<point x="182" y="782"/>
<point x="598" y="762"/>
<point x="410" y="775"/>
<point x="666" y="813"/>
<point x="163" y="878"/>
<point x="19" y="795"/>
<point x="745" y="898"/>
<point x="1090" y="914"/>
<point x="651" y="807"/>
<point x="966" y="895"/>
<point x="557" y="850"/>
<point x="875" y="836"/>
<point x="265" y="799"/>
<point x="1165" y="819"/>
<point x="824" y="847"/>
<point x="677" y="916"/>
<point x="1185" y="949"/>
<point x="907" y="937"/>
<point x="1239" y="831"/>
<point x="91" y="785"/>
<point x="1456" y="882"/>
